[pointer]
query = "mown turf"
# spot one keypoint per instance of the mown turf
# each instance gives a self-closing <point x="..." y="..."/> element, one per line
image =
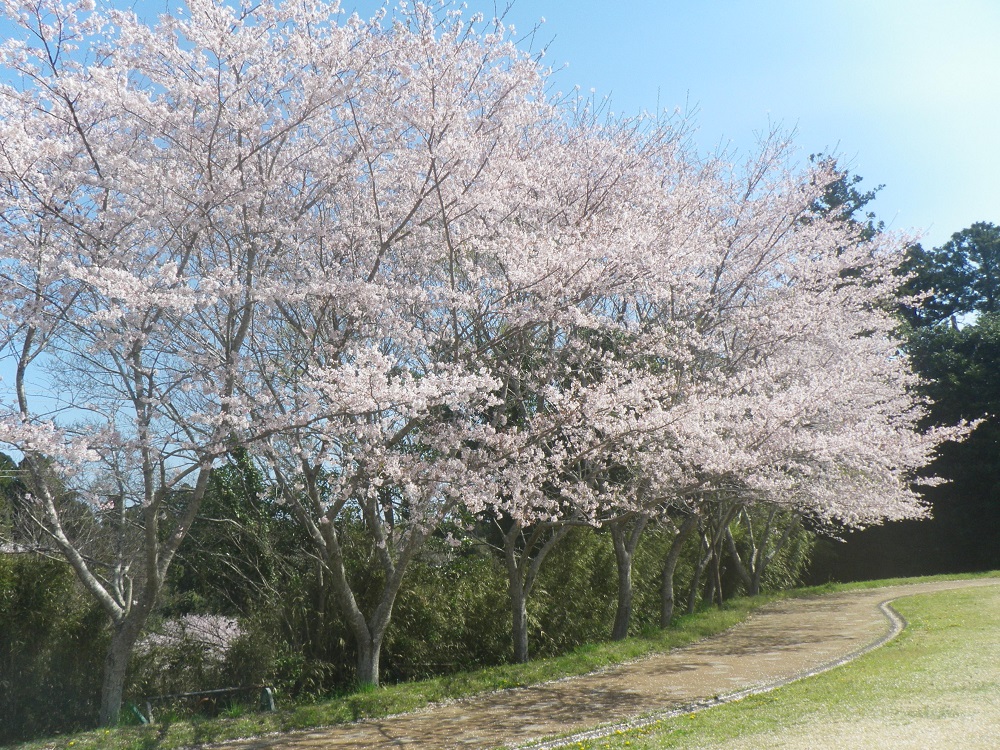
<point x="936" y="686"/>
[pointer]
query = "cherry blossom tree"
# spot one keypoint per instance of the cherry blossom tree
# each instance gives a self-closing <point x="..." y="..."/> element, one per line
<point x="784" y="379"/>
<point x="812" y="406"/>
<point x="367" y="370"/>
<point x="151" y="191"/>
<point x="572" y="406"/>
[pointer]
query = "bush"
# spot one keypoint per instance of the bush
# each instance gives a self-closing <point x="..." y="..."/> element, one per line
<point x="52" y="642"/>
<point x="452" y="615"/>
<point x="184" y="654"/>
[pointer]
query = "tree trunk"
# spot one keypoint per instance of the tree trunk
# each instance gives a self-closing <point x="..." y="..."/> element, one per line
<point x="368" y="630"/>
<point x="747" y="577"/>
<point x="713" y="540"/>
<point x="762" y="552"/>
<point x="518" y="595"/>
<point x="522" y="570"/>
<point x="624" y="563"/>
<point x="709" y="596"/>
<point x="765" y="559"/>
<point x="625" y="542"/>
<point x="367" y="647"/>
<point x="519" y="622"/>
<point x="369" y="653"/>
<point x="699" y="571"/>
<point x="116" y="660"/>
<point x="113" y="684"/>
<point x="717" y="575"/>
<point x="669" y="566"/>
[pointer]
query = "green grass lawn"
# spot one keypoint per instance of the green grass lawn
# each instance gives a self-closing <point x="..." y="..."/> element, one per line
<point x="936" y="686"/>
<point x="409" y="696"/>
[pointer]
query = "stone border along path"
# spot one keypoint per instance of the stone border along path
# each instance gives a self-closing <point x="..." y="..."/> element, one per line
<point x="778" y="644"/>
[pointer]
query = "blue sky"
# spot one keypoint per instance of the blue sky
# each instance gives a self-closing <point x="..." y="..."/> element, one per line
<point x="907" y="92"/>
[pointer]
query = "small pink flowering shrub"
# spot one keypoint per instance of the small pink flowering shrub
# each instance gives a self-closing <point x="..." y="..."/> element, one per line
<point x="215" y="634"/>
<point x="186" y="654"/>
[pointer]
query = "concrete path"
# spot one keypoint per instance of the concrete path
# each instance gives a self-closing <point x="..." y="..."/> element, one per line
<point x="777" y="644"/>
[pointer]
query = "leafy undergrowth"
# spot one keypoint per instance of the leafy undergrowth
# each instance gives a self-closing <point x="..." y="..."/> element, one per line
<point x="936" y="685"/>
<point x="393" y="699"/>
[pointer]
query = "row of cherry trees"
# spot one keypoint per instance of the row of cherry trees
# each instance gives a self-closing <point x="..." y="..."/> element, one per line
<point x="387" y="260"/>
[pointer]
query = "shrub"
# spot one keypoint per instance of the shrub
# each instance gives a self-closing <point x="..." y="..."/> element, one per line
<point x="52" y="642"/>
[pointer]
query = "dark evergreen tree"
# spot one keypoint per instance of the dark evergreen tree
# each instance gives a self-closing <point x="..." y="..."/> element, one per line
<point x="956" y="281"/>
<point x="844" y="199"/>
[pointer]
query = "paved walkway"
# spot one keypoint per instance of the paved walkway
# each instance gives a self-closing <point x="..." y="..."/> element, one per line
<point x="778" y="643"/>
